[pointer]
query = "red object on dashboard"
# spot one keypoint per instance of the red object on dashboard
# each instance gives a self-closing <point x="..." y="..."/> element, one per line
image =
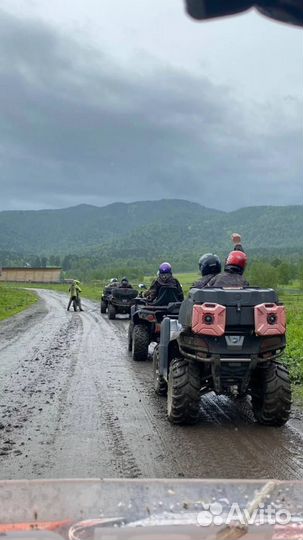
<point x="6" y="528"/>
<point x="209" y="319"/>
<point x="270" y="320"/>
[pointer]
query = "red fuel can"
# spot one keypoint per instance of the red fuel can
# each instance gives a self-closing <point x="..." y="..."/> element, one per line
<point x="209" y="319"/>
<point x="270" y="320"/>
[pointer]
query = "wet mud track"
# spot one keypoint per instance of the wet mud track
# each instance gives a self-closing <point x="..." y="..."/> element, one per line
<point x="73" y="404"/>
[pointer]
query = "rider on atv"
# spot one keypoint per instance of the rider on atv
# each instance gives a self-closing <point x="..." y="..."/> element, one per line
<point x="125" y="284"/>
<point x="210" y="265"/>
<point x="233" y="272"/>
<point x="113" y="283"/>
<point x="142" y="288"/>
<point x="165" y="279"/>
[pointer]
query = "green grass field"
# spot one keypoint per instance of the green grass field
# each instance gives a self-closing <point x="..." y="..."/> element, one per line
<point x="294" y="350"/>
<point x="89" y="290"/>
<point x="13" y="300"/>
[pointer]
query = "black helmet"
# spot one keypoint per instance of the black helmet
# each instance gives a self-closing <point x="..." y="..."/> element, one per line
<point x="209" y="263"/>
<point x="124" y="280"/>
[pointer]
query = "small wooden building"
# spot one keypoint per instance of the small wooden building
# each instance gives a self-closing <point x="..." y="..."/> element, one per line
<point x="31" y="275"/>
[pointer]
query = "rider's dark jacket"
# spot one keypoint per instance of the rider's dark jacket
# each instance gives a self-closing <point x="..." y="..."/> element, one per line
<point x="231" y="277"/>
<point x="171" y="282"/>
<point x="203" y="282"/>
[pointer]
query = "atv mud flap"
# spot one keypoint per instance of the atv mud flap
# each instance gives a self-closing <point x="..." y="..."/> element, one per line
<point x="141" y="509"/>
<point x="170" y="330"/>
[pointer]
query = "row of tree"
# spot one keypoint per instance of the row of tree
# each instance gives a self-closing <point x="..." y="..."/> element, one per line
<point x="259" y="273"/>
<point x="35" y="261"/>
<point x="266" y="271"/>
<point x="265" y="274"/>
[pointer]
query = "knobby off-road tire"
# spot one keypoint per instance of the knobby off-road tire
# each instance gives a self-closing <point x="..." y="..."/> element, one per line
<point x="103" y="306"/>
<point x="111" y="312"/>
<point x="130" y="336"/>
<point x="140" y="343"/>
<point x="183" y="394"/>
<point x="160" y="384"/>
<point x="271" y="394"/>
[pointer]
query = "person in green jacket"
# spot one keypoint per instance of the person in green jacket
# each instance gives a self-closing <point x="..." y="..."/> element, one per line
<point x="74" y="291"/>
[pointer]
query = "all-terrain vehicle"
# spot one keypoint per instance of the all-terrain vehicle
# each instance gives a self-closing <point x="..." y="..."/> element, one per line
<point x="227" y="341"/>
<point x="120" y="301"/>
<point x="107" y="291"/>
<point x="146" y="318"/>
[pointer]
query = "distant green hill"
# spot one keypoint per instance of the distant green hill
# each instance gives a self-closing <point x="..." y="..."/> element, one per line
<point x="151" y="229"/>
<point x="84" y="226"/>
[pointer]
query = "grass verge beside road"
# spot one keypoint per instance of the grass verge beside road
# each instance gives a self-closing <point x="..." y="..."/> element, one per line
<point x="13" y="300"/>
<point x="294" y="350"/>
<point x="92" y="291"/>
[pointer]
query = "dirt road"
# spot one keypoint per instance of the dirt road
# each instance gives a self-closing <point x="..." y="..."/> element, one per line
<point x="74" y="404"/>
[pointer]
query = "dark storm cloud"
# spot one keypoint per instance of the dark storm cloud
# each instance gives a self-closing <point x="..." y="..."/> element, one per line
<point x="75" y="127"/>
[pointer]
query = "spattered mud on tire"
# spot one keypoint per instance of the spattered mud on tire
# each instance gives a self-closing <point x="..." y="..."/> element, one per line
<point x="74" y="404"/>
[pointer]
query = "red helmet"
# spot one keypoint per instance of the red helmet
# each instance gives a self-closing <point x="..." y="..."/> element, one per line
<point x="237" y="258"/>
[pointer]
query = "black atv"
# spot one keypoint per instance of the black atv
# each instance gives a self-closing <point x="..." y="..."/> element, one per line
<point x="146" y="318"/>
<point x="227" y="341"/>
<point x="120" y="301"/>
<point x="105" y="298"/>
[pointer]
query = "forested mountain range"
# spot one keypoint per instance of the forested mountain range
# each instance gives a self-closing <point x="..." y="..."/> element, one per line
<point x="143" y="231"/>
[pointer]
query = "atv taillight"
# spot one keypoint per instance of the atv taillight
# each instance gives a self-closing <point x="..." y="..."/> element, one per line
<point x="270" y="320"/>
<point x="209" y="319"/>
<point x="150" y="317"/>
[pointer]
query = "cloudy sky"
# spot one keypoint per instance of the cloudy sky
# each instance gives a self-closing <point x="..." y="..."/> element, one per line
<point x="104" y="101"/>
